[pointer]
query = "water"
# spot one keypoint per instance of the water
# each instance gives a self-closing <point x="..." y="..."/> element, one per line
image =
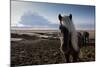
<point x="16" y="39"/>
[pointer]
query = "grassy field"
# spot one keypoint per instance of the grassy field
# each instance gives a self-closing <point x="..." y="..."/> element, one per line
<point x="34" y="50"/>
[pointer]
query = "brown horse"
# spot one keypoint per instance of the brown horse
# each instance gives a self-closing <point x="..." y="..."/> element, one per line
<point x="69" y="46"/>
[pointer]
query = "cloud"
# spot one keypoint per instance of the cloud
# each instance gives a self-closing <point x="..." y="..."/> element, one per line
<point x="35" y="20"/>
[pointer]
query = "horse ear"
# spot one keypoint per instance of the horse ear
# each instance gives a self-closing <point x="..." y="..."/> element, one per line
<point x="70" y="16"/>
<point x="60" y="17"/>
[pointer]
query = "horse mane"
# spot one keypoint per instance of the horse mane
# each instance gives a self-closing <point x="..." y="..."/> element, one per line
<point x="68" y="23"/>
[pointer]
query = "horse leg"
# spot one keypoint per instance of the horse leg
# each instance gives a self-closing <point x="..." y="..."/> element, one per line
<point x="67" y="56"/>
<point x="75" y="56"/>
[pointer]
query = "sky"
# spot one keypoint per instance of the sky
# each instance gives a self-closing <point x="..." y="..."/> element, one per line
<point x="45" y="15"/>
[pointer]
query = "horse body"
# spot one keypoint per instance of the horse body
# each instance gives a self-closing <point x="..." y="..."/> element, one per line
<point x="70" y="38"/>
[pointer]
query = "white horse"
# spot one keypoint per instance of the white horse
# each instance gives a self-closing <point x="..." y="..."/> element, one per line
<point x="69" y="43"/>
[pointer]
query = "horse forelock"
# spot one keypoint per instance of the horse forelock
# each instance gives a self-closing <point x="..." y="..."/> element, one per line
<point x="67" y="22"/>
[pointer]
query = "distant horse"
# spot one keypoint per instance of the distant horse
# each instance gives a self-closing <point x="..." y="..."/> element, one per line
<point x="85" y="38"/>
<point x="69" y="46"/>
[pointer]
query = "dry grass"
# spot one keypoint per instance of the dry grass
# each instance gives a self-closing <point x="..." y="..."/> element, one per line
<point x="43" y="51"/>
